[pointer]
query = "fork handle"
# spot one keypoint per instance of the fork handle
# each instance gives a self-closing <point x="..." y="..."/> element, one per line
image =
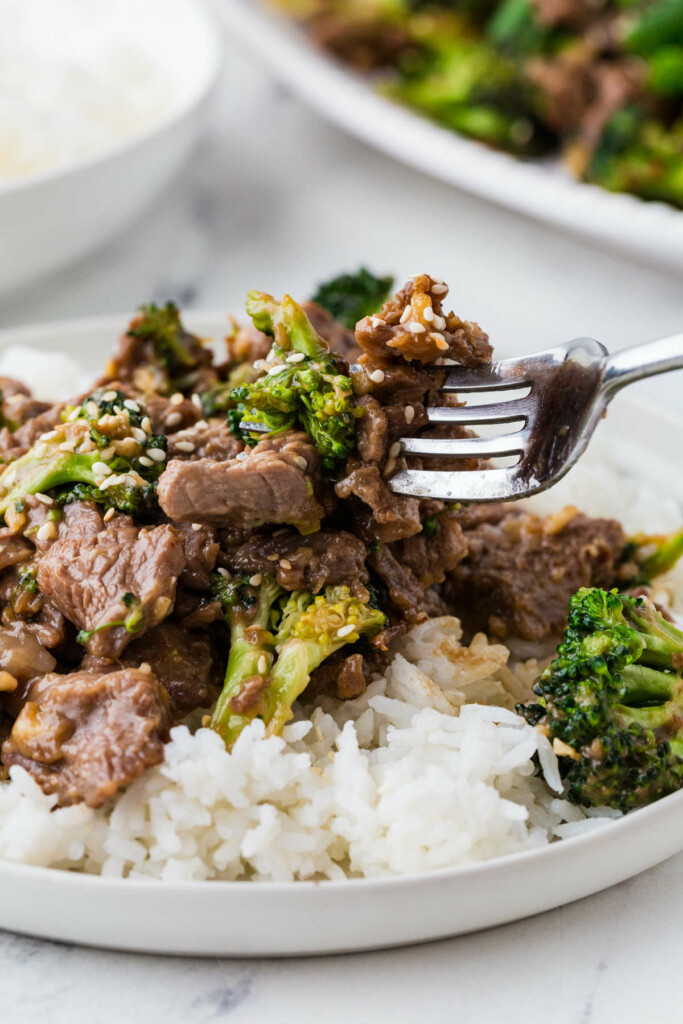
<point x="642" y="361"/>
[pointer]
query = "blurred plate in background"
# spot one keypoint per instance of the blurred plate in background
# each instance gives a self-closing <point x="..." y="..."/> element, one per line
<point x="541" y="189"/>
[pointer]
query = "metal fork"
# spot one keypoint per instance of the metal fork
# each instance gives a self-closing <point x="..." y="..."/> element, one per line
<point x="569" y="389"/>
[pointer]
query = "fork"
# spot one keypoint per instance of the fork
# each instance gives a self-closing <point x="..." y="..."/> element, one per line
<point x="567" y="391"/>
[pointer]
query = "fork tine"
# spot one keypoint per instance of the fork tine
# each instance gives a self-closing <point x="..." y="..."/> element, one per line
<point x="471" y="486"/>
<point x="500" y="412"/>
<point x="466" y="447"/>
<point x="508" y="374"/>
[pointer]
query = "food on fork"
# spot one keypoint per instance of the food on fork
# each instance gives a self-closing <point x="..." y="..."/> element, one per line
<point x="204" y="570"/>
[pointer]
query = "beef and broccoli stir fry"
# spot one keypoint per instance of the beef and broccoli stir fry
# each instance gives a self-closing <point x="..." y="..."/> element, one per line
<point x="209" y="535"/>
<point x="599" y="80"/>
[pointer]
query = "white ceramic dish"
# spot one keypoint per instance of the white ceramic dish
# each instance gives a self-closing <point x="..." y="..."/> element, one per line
<point x="266" y="919"/>
<point x="49" y="219"/>
<point x="625" y="224"/>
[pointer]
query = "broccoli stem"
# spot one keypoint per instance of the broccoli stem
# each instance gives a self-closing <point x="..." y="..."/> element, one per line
<point x="29" y="475"/>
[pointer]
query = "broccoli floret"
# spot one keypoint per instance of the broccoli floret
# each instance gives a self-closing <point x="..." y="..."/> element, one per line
<point x="105" y="451"/>
<point x="303" y="386"/>
<point x="612" y="702"/>
<point x="169" y="345"/>
<point x="275" y="645"/>
<point x="350" y="297"/>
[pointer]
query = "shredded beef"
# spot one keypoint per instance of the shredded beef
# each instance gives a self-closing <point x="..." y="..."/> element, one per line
<point x="82" y="736"/>
<point x="520" y="572"/>
<point x="93" y="565"/>
<point x="274" y="484"/>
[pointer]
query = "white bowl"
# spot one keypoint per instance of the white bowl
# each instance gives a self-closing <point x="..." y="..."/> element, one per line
<point x="292" y="918"/>
<point x="49" y="219"/>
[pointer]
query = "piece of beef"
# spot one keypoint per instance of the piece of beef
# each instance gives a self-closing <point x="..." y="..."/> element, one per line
<point x="275" y="483"/>
<point x="400" y="384"/>
<point x="22" y="602"/>
<point x="22" y="659"/>
<point x="405" y="593"/>
<point x="182" y="662"/>
<point x="434" y="552"/>
<point x="13" y="548"/>
<point x="340" y="339"/>
<point x="412" y="325"/>
<point x="395" y="515"/>
<point x="211" y="440"/>
<point x="520" y="572"/>
<point x="18" y="405"/>
<point x="201" y="550"/>
<point x="194" y="610"/>
<point x="169" y="415"/>
<point x="15" y="444"/>
<point x="325" y="558"/>
<point x="82" y="736"/>
<point x="247" y="345"/>
<point x="99" y="574"/>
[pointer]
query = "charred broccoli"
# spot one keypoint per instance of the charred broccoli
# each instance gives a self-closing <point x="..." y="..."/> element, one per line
<point x="612" y="702"/>
<point x="276" y="642"/>
<point x="351" y="297"/>
<point x="303" y="385"/>
<point x="105" y="451"/>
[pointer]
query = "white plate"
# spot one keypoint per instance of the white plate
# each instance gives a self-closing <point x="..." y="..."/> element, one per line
<point x="49" y="219"/>
<point x="263" y="919"/>
<point x="541" y="189"/>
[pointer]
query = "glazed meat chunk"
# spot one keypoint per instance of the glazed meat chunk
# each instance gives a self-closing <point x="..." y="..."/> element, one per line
<point x="521" y="570"/>
<point x="275" y="483"/>
<point x="84" y="735"/>
<point x="104" y="575"/>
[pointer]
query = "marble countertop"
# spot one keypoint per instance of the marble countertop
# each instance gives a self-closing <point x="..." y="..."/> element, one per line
<point x="276" y="199"/>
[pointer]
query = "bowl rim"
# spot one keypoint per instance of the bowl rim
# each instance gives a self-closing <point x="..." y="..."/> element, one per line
<point x="212" y="47"/>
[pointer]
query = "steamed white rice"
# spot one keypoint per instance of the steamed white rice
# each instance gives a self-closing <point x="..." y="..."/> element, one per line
<point x="430" y="768"/>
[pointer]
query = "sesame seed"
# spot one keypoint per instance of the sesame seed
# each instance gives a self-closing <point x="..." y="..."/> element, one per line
<point x="255" y="579"/>
<point x="196" y="400"/>
<point x="377" y="321"/>
<point x="176" y="398"/>
<point x="260" y="364"/>
<point x="185" y="446"/>
<point x="223" y="572"/>
<point x="101" y="469"/>
<point x="345" y="630"/>
<point x="409" y="413"/>
<point x="46" y="531"/>
<point x="439" y="323"/>
<point x="439" y="341"/>
<point x="144" y="461"/>
<point x="196" y="527"/>
<point x="241" y="456"/>
<point x="416" y="328"/>
<point x="173" y="419"/>
<point x="406" y="314"/>
<point x="44" y="498"/>
<point x="109" y="514"/>
<point x="144" y="666"/>
<point x="390" y="467"/>
<point x="48" y="436"/>
<point x="157" y="454"/>
<point x="108" y="396"/>
<point x="40" y="451"/>
<point x="67" y="446"/>
<point x="201" y="425"/>
<point x="301" y="462"/>
<point x="285" y="563"/>
<point x="138" y="434"/>
<point x="394" y="450"/>
<point x="262" y="665"/>
<point x="275" y="368"/>
<point x="147" y="425"/>
<point x="377" y="376"/>
<point x="295" y="357"/>
<point x="428" y="314"/>
<point x="131" y="405"/>
<point x="439" y="289"/>
<point x="73" y="415"/>
<point x="273" y="557"/>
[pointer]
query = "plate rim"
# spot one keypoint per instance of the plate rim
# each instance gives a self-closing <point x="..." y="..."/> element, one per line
<point x="211" y="320"/>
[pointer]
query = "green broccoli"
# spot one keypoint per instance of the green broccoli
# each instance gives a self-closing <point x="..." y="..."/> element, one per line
<point x="654" y="555"/>
<point x="351" y="297"/>
<point x="303" y="385"/>
<point x="105" y="451"/>
<point x="168" y="345"/>
<point x="612" y="702"/>
<point x="276" y="644"/>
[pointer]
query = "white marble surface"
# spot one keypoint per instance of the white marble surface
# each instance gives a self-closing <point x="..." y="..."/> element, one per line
<point x="276" y="199"/>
